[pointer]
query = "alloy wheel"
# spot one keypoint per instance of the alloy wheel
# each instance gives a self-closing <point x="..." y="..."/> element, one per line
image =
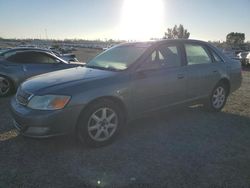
<point x="102" y="124"/>
<point x="219" y="97"/>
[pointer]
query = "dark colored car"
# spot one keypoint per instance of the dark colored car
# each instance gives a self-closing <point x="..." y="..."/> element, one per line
<point x="66" y="57"/>
<point x="122" y="83"/>
<point x="17" y="66"/>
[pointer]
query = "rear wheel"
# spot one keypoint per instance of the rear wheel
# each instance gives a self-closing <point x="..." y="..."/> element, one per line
<point x="100" y="123"/>
<point x="6" y="86"/>
<point x="218" y="97"/>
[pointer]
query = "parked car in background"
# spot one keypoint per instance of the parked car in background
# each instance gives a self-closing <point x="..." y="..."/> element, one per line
<point x="248" y="60"/>
<point x="122" y="83"/>
<point x="17" y="65"/>
<point x="231" y="54"/>
<point x="66" y="57"/>
<point x="244" y="58"/>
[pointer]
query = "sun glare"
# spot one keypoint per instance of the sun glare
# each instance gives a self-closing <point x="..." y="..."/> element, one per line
<point x="142" y="19"/>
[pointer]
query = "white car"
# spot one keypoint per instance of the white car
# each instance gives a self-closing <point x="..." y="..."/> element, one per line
<point x="247" y="61"/>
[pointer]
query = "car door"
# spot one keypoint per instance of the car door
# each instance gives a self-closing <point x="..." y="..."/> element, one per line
<point x="202" y="72"/>
<point x="36" y="63"/>
<point x="160" y="80"/>
<point x="12" y="69"/>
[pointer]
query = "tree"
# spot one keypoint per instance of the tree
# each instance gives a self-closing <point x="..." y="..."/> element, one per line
<point x="177" y="33"/>
<point x="235" y="38"/>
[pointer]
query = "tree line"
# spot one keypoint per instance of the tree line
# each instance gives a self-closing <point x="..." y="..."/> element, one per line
<point x="179" y="32"/>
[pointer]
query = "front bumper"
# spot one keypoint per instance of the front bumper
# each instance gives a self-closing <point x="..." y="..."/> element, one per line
<point x="41" y="123"/>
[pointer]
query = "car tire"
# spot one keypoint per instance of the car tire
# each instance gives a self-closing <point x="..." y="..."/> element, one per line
<point x="218" y="98"/>
<point x="100" y="123"/>
<point x="6" y="86"/>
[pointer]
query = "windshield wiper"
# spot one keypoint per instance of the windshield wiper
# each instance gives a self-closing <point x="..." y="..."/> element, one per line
<point x="102" y="68"/>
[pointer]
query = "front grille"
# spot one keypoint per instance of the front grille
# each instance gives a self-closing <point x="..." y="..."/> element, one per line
<point x="23" y="97"/>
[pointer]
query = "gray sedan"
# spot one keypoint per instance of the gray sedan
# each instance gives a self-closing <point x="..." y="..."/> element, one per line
<point x="122" y="83"/>
<point x="17" y="65"/>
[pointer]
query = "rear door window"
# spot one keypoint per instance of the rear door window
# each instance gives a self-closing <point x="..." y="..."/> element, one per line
<point x="197" y="54"/>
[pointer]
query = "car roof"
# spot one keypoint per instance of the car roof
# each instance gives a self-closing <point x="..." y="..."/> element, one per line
<point x="155" y="43"/>
<point x="35" y="50"/>
<point x="163" y="41"/>
<point x="27" y="48"/>
<point x="19" y="49"/>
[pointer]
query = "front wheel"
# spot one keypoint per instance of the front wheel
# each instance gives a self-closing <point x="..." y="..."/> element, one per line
<point x="99" y="124"/>
<point x="218" y="98"/>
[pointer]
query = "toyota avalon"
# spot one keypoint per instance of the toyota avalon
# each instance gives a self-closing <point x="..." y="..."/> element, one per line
<point x="122" y="83"/>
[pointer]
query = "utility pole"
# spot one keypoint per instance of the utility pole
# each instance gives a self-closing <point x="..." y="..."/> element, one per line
<point x="46" y="34"/>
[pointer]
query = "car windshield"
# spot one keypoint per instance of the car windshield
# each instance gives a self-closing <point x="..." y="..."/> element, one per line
<point x="118" y="58"/>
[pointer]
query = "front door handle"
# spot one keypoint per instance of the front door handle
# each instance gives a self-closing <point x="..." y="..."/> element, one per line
<point x="180" y="76"/>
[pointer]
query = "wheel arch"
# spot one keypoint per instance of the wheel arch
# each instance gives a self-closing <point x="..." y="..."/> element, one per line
<point x="114" y="99"/>
<point x="226" y="82"/>
<point x="14" y="85"/>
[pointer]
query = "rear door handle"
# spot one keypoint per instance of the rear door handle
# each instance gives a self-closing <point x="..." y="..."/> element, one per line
<point x="215" y="71"/>
<point x="141" y="75"/>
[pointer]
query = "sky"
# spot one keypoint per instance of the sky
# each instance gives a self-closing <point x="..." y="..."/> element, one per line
<point x="122" y="19"/>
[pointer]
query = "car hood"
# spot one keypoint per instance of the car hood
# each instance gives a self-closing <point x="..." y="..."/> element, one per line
<point x="63" y="77"/>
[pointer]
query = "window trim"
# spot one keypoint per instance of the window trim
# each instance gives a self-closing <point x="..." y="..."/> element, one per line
<point x="213" y="52"/>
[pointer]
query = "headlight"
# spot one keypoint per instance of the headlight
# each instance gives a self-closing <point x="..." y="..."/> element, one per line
<point x="48" y="102"/>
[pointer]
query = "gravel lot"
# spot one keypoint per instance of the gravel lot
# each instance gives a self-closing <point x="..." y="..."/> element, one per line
<point x="86" y="54"/>
<point x="181" y="148"/>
